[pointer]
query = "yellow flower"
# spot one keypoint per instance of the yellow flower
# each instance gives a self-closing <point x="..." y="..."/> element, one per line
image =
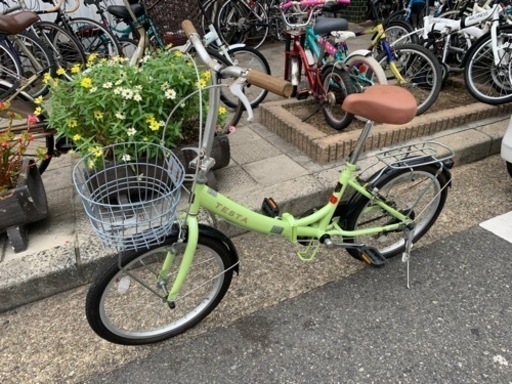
<point x="61" y="71"/>
<point x="178" y="53"/>
<point x="76" y="137"/>
<point x="75" y="68"/>
<point x="38" y="111"/>
<point x="154" y="125"/>
<point x="46" y="78"/>
<point x="86" y="82"/>
<point x="91" y="58"/>
<point x="222" y="111"/>
<point x="206" y="75"/>
<point x="38" y="100"/>
<point x="150" y="119"/>
<point x="72" y="123"/>
<point x="201" y="83"/>
<point x="98" y="115"/>
<point x="96" y="151"/>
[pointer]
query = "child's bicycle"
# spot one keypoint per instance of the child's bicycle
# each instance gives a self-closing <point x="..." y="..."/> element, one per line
<point x="153" y="293"/>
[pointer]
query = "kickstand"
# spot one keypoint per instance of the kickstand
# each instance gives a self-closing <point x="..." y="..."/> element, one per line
<point x="408" y="234"/>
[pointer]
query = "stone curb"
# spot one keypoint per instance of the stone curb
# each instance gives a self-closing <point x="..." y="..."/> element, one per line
<point x="66" y="267"/>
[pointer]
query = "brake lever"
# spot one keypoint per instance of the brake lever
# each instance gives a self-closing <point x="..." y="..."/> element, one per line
<point x="236" y="89"/>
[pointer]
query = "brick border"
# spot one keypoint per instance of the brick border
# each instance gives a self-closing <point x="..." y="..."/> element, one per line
<point x="324" y="148"/>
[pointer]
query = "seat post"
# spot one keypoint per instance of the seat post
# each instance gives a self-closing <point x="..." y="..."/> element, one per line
<point x="365" y="132"/>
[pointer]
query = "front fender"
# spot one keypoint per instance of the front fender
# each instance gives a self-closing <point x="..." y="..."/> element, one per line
<point x="359" y="52"/>
<point x="215" y="234"/>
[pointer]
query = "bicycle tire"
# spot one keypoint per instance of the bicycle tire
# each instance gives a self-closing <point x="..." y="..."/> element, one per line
<point x="128" y="46"/>
<point x="484" y="80"/>
<point x="338" y="85"/>
<point x="26" y="103"/>
<point x="421" y="71"/>
<point x="236" y="23"/>
<point x="10" y="71"/>
<point x="363" y="212"/>
<point x="66" y="49"/>
<point x="139" y="305"/>
<point x="396" y="29"/>
<point x="365" y="71"/>
<point x="94" y="37"/>
<point x="245" y="57"/>
<point x="46" y="62"/>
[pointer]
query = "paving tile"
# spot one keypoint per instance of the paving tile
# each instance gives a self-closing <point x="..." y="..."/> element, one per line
<point x="232" y="179"/>
<point x="274" y="170"/>
<point x="253" y="150"/>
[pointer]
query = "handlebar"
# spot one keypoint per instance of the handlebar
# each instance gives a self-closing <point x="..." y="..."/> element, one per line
<point x="272" y="84"/>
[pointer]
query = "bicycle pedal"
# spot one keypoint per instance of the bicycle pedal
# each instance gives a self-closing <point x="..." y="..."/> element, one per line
<point x="372" y="256"/>
<point x="302" y="94"/>
<point x="269" y="207"/>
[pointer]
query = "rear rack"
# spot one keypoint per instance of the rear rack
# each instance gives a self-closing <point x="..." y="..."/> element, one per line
<point x="423" y="153"/>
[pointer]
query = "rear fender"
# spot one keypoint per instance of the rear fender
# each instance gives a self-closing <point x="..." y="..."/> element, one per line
<point x="215" y="234"/>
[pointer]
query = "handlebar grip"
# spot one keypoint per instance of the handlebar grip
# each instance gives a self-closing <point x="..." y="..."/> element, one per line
<point x="188" y="27"/>
<point x="272" y="84"/>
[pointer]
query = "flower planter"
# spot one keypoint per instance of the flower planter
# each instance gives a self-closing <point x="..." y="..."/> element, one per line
<point x="221" y="152"/>
<point x="22" y="205"/>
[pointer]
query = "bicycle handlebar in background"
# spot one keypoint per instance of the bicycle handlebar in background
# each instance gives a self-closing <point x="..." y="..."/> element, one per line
<point x="272" y="84"/>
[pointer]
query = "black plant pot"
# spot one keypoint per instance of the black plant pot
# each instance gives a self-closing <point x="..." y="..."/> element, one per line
<point x="22" y="205"/>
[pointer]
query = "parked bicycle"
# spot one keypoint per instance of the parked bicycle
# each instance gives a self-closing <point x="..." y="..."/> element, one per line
<point x="151" y="294"/>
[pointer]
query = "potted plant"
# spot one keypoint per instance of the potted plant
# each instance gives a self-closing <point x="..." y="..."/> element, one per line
<point x="22" y="194"/>
<point x="112" y="102"/>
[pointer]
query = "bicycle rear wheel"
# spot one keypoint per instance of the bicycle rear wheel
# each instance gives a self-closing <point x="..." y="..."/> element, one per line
<point x="486" y="81"/>
<point x="418" y="192"/>
<point x="41" y="61"/>
<point x="420" y="70"/>
<point x="245" y="57"/>
<point x="337" y="85"/>
<point x="126" y="305"/>
<point x="66" y="49"/>
<point x="94" y="37"/>
<point x="10" y="71"/>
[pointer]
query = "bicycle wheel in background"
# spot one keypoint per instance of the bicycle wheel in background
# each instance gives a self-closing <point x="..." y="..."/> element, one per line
<point x="10" y="71"/>
<point x="337" y="85"/>
<point x="239" y="22"/>
<point x="400" y="30"/>
<point x="129" y="306"/>
<point x="418" y="192"/>
<point x="420" y="70"/>
<point x="365" y="71"/>
<point x="94" y="37"/>
<point x="128" y="46"/>
<point x="44" y="62"/>
<point x="245" y="57"/>
<point x="66" y="49"/>
<point x="486" y="81"/>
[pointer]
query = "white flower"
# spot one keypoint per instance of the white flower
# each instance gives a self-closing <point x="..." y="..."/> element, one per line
<point x="118" y="90"/>
<point x="126" y="157"/>
<point x="118" y="82"/>
<point x="107" y="85"/>
<point x="127" y="93"/>
<point x="162" y="123"/>
<point x="120" y="115"/>
<point x="170" y="94"/>
<point x="93" y="89"/>
<point x="131" y="131"/>
<point x="165" y="86"/>
<point x="137" y="97"/>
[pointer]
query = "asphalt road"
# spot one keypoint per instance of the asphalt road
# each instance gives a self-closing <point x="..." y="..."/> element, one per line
<point x="453" y="326"/>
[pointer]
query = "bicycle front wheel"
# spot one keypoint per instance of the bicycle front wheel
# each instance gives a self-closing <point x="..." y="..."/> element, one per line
<point x="486" y="81"/>
<point x="94" y="37"/>
<point x="127" y="305"/>
<point x="246" y="57"/>
<point x="415" y="68"/>
<point x="365" y="71"/>
<point x="337" y="85"/>
<point x="419" y="193"/>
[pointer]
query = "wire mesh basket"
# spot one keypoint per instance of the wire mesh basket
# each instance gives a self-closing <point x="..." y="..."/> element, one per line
<point x="130" y="192"/>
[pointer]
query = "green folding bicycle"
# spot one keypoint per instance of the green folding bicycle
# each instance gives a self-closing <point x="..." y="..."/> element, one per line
<point x="153" y="293"/>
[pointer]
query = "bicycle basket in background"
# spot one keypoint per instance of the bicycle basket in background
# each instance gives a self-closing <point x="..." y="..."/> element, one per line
<point x="130" y="192"/>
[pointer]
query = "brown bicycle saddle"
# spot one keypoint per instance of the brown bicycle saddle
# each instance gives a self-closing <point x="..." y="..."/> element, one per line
<point x="15" y="23"/>
<point x="389" y="104"/>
